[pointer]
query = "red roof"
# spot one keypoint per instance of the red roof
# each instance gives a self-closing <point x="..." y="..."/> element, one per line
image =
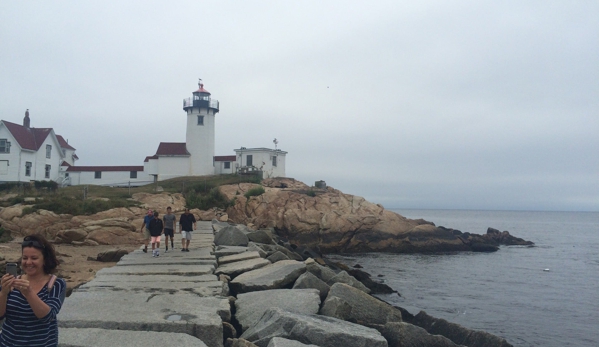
<point x="63" y="143"/>
<point x="28" y="138"/>
<point x="104" y="168"/>
<point x="202" y="90"/>
<point x="150" y="157"/>
<point x="172" y="148"/>
<point x="64" y="163"/>
<point x="225" y="158"/>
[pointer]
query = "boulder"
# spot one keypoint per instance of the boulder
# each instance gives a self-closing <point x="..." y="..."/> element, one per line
<point x="364" y="309"/>
<point x="401" y="334"/>
<point x="114" y="236"/>
<point x="308" y="280"/>
<point x="260" y="236"/>
<point x="457" y="333"/>
<point x="223" y="251"/>
<point x="251" y="306"/>
<point x="111" y="255"/>
<point x="237" y="257"/>
<point x="230" y="236"/>
<point x="217" y="225"/>
<point x="322" y="272"/>
<point x="70" y="235"/>
<point x="239" y="343"/>
<point x="311" y="329"/>
<point x="277" y="256"/>
<point x="253" y="247"/>
<point x="239" y="267"/>
<point x="344" y="277"/>
<point x="282" y="342"/>
<point x="273" y="276"/>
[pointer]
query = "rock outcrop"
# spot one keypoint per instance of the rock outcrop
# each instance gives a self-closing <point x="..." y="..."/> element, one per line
<point x="337" y="222"/>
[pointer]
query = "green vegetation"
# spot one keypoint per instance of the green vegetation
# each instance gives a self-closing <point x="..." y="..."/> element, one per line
<point x="4" y="235"/>
<point x="200" y="192"/>
<point x="311" y="193"/>
<point x="256" y="191"/>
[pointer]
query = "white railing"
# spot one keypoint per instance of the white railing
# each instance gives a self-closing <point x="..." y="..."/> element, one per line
<point x="211" y="103"/>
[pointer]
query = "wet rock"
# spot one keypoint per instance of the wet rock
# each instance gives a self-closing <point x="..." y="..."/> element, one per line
<point x="311" y="329"/>
<point x="364" y="309"/>
<point x="251" y="306"/>
<point x="400" y="334"/>
<point x="230" y="236"/>
<point x="457" y="333"/>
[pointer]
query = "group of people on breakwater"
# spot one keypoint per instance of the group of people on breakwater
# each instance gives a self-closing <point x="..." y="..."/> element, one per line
<point x="153" y="228"/>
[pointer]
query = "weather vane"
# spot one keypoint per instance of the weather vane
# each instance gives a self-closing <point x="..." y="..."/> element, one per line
<point x="275" y="141"/>
<point x="200" y="82"/>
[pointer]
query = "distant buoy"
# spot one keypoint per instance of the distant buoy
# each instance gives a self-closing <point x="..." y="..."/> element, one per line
<point x="545" y="269"/>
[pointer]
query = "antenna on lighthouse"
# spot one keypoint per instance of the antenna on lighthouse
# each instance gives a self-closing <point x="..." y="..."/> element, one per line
<point x="275" y="141"/>
<point x="200" y="82"/>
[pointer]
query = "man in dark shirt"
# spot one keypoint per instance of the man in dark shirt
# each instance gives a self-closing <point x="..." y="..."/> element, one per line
<point x="187" y="223"/>
<point x="156" y="229"/>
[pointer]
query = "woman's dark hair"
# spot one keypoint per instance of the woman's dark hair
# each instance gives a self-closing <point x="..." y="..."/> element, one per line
<point x="40" y="242"/>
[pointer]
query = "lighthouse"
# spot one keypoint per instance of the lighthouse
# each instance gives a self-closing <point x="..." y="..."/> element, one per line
<point x="201" y="110"/>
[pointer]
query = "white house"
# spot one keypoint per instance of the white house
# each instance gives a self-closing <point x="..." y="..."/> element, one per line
<point x="42" y="155"/>
<point x="32" y="154"/>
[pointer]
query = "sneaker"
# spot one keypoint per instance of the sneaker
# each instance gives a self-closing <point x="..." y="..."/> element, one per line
<point x="186" y="249"/>
<point x="145" y="249"/>
<point x="154" y="255"/>
<point x="166" y="250"/>
<point x="182" y="249"/>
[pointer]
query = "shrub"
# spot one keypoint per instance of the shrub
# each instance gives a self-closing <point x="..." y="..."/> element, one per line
<point x="214" y="198"/>
<point x="28" y="210"/>
<point x="311" y="193"/>
<point x="256" y="191"/>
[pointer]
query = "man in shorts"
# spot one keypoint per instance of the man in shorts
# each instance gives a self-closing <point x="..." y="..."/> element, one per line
<point x="170" y="220"/>
<point x="187" y="223"/>
<point x="145" y="229"/>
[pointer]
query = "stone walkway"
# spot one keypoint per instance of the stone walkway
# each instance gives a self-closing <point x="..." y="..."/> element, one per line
<point x="174" y="299"/>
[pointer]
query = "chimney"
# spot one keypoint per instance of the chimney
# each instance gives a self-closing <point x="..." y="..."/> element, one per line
<point x="26" y="120"/>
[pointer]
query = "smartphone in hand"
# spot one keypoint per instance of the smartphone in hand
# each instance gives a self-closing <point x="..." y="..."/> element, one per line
<point x="11" y="268"/>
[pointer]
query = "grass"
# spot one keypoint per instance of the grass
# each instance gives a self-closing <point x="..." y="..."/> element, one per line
<point x="256" y="191"/>
<point x="200" y="192"/>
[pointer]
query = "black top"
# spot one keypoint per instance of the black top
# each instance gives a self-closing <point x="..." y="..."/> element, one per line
<point x="156" y="227"/>
<point x="186" y="222"/>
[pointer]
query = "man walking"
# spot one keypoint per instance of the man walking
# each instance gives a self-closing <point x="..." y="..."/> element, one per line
<point x="145" y="229"/>
<point x="170" y="221"/>
<point x="187" y="223"/>
<point x="156" y="229"/>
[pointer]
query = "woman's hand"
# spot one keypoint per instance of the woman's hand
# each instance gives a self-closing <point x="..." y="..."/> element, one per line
<point x="7" y="282"/>
<point x="22" y="285"/>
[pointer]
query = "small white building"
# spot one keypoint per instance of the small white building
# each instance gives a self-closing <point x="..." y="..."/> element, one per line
<point x="42" y="155"/>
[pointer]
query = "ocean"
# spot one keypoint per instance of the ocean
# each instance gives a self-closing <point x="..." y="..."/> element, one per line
<point x="547" y="295"/>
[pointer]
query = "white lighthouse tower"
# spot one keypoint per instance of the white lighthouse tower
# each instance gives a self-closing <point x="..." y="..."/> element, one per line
<point x="201" y="111"/>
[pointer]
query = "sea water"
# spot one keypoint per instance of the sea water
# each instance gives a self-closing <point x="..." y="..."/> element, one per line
<point x="547" y="295"/>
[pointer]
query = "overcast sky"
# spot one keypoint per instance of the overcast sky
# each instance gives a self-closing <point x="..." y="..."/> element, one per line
<point x="410" y="104"/>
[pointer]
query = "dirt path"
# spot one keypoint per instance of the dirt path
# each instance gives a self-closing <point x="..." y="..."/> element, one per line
<point x="74" y="266"/>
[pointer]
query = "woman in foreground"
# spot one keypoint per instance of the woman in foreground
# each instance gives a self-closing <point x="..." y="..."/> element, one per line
<point x="29" y="303"/>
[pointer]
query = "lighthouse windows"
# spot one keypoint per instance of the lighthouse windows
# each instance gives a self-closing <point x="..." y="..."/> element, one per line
<point x="200" y="120"/>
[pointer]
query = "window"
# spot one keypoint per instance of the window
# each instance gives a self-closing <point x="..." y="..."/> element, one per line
<point x="48" y="168"/>
<point x="66" y="175"/>
<point x="27" y="168"/>
<point x="48" y="151"/>
<point x="98" y="174"/>
<point x="200" y="120"/>
<point x="4" y="146"/>
<point x="274" y="160"/>
<point x="3" y="167"/>
<point x="133" y="174"/>
<point x="248" y="160"/>
<point x="227" y="165"/>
